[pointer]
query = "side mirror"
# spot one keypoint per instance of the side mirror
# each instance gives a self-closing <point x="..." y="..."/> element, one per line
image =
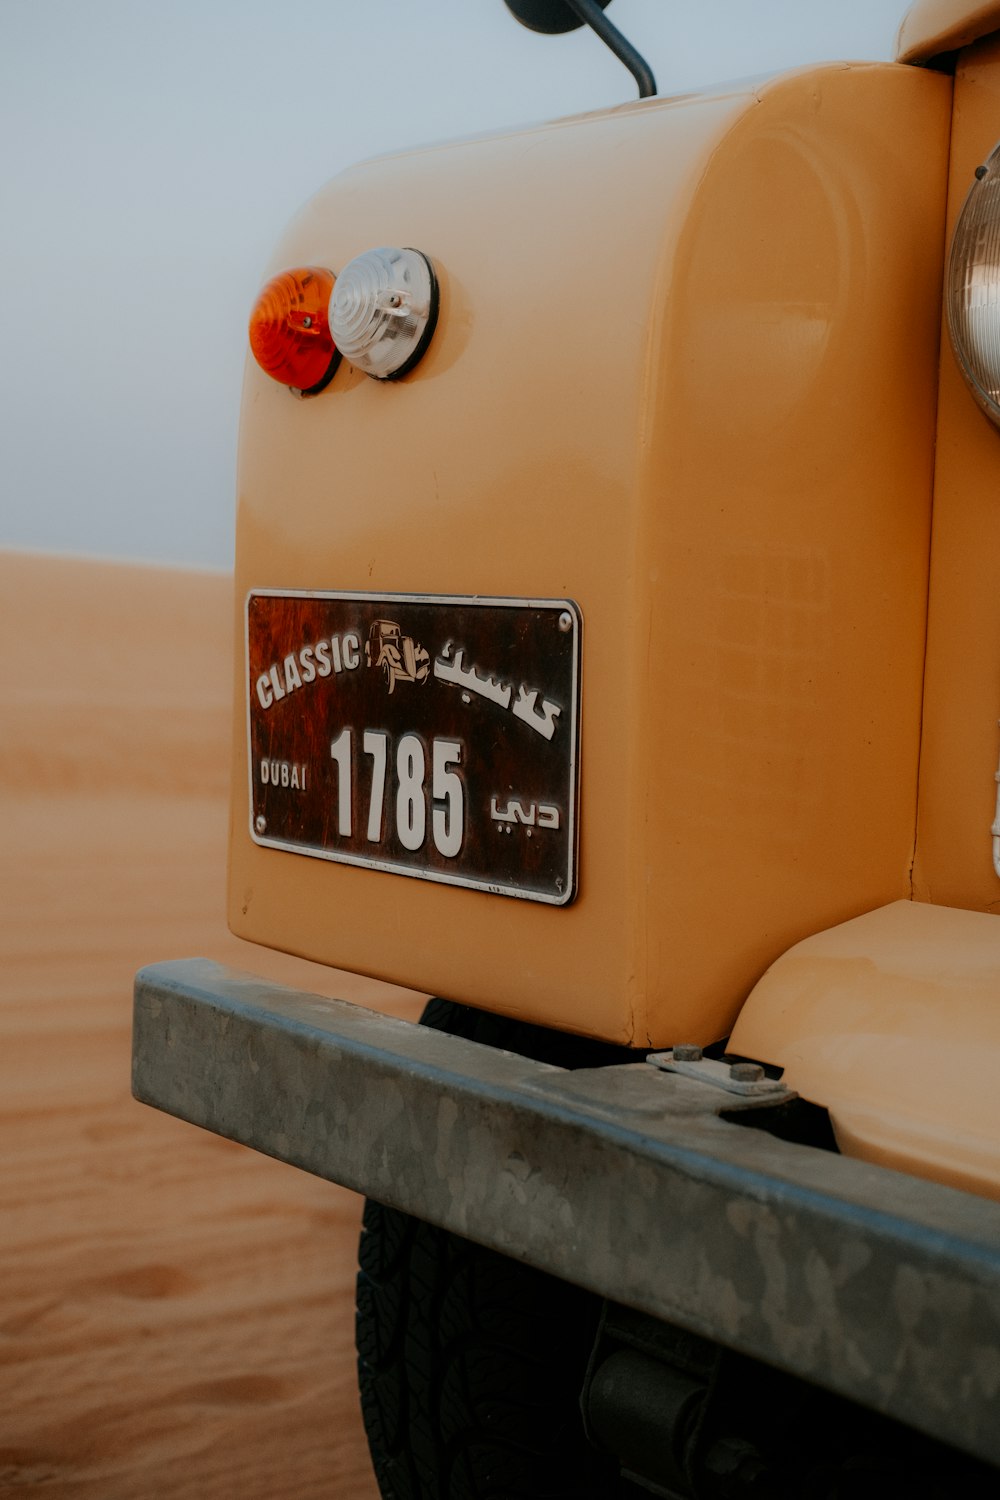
<point x="548" y="16"/>
<point x="553" y="16"/>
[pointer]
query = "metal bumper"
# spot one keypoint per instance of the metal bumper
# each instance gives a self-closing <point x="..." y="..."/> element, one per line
<point x="624" y="1180"/>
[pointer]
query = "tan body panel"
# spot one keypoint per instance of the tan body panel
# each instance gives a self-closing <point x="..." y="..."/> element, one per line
<point x="891" y="1021"/>
<point x="684" y="374"/>
<point x="961" y="741"/>
<point x="933" y="27"/>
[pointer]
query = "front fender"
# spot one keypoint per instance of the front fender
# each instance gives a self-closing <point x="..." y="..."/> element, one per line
<point x="892" y="1022"/>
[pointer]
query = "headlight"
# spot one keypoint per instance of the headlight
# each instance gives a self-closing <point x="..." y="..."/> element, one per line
<point x="972" y="289"/>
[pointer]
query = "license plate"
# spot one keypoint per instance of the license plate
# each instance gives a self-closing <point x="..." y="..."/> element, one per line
<point x="431" y="736"/>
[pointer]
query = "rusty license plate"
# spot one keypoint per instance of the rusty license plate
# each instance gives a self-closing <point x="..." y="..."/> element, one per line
<point x="430" y="736"/>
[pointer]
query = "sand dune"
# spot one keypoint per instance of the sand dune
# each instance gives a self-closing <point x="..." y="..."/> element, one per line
<point x="175" y="1311"/>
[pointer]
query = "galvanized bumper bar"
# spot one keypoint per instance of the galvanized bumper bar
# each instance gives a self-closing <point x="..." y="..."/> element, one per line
<point x="625" y="1180"/>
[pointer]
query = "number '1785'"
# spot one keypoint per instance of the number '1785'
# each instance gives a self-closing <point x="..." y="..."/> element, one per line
<point x="447" y="792"/>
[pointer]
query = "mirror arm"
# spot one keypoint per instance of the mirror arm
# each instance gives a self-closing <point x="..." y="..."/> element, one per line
<point x="593" y="16"/>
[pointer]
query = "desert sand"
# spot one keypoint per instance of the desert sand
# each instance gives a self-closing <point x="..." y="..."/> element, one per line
<point x="175" y="1311"/>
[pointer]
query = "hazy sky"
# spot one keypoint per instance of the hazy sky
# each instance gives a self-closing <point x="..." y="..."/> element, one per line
<point x="152" y="152"/>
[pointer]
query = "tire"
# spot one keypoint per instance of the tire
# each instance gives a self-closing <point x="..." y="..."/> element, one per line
<point x="471" y="1365"/>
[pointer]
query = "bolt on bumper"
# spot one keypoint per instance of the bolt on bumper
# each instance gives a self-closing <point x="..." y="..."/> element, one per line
<point x="625" y="1180"/>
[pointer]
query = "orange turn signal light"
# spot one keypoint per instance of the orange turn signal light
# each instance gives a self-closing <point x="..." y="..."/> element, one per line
<point x="290" y="329"/>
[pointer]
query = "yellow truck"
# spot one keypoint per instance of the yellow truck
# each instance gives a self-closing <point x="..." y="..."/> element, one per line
<point x="618" y="661"/>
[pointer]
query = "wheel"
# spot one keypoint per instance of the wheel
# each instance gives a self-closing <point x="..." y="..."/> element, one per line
<point x="471" y="1365"/>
